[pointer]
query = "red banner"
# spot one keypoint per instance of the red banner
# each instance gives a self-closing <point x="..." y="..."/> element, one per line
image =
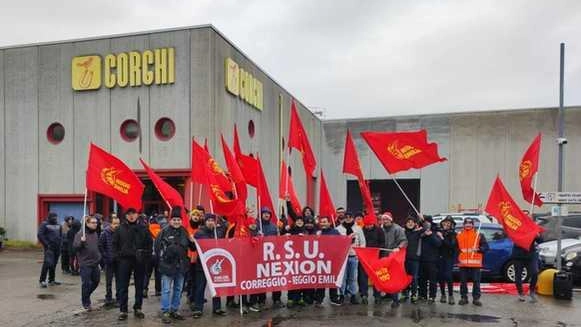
<point x="274" y="263"/>
<point x="529" y="166"/>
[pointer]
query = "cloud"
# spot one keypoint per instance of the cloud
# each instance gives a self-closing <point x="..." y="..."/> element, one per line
<point x="358" y="58"/>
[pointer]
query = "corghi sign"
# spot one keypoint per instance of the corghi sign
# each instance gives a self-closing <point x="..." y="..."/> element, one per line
<point x="242" y="84"/>
<point x="132" y="68"/>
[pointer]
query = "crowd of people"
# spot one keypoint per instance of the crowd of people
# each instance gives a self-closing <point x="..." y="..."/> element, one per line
<point x="160" y="246"/>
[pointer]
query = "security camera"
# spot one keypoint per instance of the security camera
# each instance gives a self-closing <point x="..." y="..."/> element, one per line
<point x="561" y="141"/>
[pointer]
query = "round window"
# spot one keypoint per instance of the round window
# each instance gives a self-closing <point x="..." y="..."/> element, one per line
<point x="165" y="129"/>
<point x="129" y="130"/>
<point x="55" y="133"/>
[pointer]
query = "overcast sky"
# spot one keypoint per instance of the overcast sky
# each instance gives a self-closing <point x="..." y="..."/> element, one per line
<point x="357" y="58"/>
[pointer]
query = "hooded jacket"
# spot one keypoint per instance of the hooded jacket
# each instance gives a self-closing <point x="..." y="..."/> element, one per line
<point x="132" y="241"/>
<point x="430" y="247"/>
<point x="50" y="234"/>
<point x="268" y="228"/>
<point x="171" y="247"/>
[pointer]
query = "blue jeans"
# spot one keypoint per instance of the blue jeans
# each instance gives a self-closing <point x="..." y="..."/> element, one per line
<point x="166" y="292"/>
<point x="412" y="267"/>
<point x="90" y="277"/>
<point x="470" y="273"/>
<point x="349" y="286"/>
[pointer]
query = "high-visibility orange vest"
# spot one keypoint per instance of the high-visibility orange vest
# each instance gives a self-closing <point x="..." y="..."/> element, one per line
<point x="154" y="230"/>
<point x="193" y="255"/>
<point x="468" y="240"/>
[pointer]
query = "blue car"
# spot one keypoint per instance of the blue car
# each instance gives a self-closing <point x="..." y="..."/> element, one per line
<point x="497" y="261"/>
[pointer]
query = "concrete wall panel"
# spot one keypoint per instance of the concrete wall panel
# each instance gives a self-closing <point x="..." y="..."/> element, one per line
<point x="21" y="121"/>
<point x="2" y="150"/>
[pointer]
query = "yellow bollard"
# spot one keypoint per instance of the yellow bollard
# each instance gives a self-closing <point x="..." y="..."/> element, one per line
<point x="545" y="282"/>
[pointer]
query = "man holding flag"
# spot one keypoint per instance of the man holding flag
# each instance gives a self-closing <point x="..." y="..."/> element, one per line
<point x="471" y="247"/>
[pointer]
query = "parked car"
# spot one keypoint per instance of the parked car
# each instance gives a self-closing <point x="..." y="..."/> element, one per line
<point x="460" y="216"/>
<point x="570" y="227"/>
<point x="548" y="250"/>
<point x="497" y="261"/>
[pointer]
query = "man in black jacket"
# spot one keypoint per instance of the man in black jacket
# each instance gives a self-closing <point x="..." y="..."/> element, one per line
<point x="132" y="247"/>
<point x="171" y="249"/>
<point x="528" y="258"/>
<point x="413" y="233"/>
<point x="87" y="247"/>
<point x="447" y="259"/>
<point x="431" y="240"/>
<point x="374" y="238"/>
<point x="50" y="236"/>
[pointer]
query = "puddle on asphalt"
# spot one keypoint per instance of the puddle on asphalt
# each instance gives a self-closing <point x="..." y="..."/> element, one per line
<point x="45" y="296"/>
<point x="418" y="315"/>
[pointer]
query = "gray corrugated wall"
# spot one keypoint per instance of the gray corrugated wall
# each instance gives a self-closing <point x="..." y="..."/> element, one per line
<point x="3" y="220"/>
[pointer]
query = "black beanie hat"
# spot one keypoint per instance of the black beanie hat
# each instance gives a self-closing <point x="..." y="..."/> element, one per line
<point x="176" y="212"/>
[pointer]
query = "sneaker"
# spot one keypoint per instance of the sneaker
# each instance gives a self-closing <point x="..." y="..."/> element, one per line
<point x="138" y="314"/>
<point x="451" y="300"/>
<point x="232" y="304"/>
<point x="254" y="308"/>
<point x="290" y="304"/>
<point x="341" y="299"/>
<point x="443" y="299"/>
<point x="166" y="318"/>
<point x="463" y="301"/>
<point x="533" y="298"/>
<point x="477" y="302"/>
<point x="335" y="302"/>
<point x="354" y="299"/>
<point x="277" y="304"/>
<point x="414" y="299"/>
<point x="54" y="283"/>
<point x="197" y="314"/>
<point x="395" y="304"/>
<point x="219" y="312"/>
<point x="364" y="300"/>
<point x="192" y="307"/>
<point x="176" y="316"/>
<point x="42" y="284"/>
<point x="244" y="310"/>
<point x="88" y="308"/>
<point x="122" y="316"/>
<point x="431" y="300"/>
<point x="521" y="297"/>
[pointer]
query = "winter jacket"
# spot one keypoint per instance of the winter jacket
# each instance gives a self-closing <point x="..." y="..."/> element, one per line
<point x="88" y="252"/>
<point x="50" y="235"/>
<point x="205" y="233"/>
<point x="106" y="245"/>
<point x="394" y="236"/>
<point x="413" y="237"/>
<point x="132" y="241"/>
<point x="75" y="228"/>
<point x="171" y="248"/>
<point x="268" y="228"/>
<point x="430" y="248"/>
<point x="329" y="231"/>
<point x="449" y="247"/>
<point x="519" y="253"/>
<point x="358" y="241"/>
<point x="374" y="237"/>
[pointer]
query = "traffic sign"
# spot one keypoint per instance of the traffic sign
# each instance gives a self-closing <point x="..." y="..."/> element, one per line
<point x="561" y="197"/>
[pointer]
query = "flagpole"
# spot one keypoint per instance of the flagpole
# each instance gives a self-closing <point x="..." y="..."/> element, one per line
<point x="534" y="195"/>
<point x="191" y="194"/>
<point x="200" y="194"/>
<point x="215" y="227"/>
<point x="405" y="195"/>
<point x="84" y="212"/>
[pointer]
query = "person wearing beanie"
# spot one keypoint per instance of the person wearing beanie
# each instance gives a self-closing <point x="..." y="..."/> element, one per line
<point x="413" y="233"/>
<point x="349" y="286"/>
<point x="195" y="222"/>
<point x="87" y="247"/>
<point x="395" y="239"/>
<point x="471" y="248"/>
<point x="132" y="248"/>
<point x="50" y="236"/>
<point x="448" y="256"/>
<point x="171" y="249"/>
<point x="374" y="238"/>
<point x="207" y="231"/>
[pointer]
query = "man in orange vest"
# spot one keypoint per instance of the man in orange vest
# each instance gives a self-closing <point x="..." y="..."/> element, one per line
<point x="471" y="247"/>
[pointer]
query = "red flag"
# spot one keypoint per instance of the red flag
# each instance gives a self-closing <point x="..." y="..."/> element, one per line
<point x="518" y="226"/>
<point x="108" y="175"/>
<point x="247" y="164"/>
<point x="263" y="192"/>
<point x="298" y="139"/>
<point x="388" y="274"/>
<point x="235" y="173"/>
<point x="170" y="195"/>
<point x="401" y="151"/>
<point x="286" y="187"/>
<point x="222" y="203"/>
<point x="326" y="206"/>
<point x="529" y="166"/>
<point x="200" y="162"/>
<point x="351" y="166"/>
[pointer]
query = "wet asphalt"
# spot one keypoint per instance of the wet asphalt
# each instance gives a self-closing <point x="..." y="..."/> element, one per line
<point x="23" y="303"/>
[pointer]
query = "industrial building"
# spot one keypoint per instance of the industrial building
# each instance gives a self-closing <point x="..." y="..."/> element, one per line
<point x="142" y="95"/>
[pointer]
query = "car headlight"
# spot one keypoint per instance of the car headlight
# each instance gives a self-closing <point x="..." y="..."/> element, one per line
<point x="570" y="256"/>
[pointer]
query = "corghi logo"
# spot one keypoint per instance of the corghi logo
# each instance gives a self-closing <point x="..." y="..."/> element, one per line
<point x="123" y="69"/>
<point x="110" y="176"/>
<point x="403" y="152"/>
<point x="86" y="73"/>
<point x="525" y="169"/>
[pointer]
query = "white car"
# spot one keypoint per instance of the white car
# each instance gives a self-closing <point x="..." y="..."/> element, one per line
<point x="460" y="216"/>
<point x="548" y="250"/>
